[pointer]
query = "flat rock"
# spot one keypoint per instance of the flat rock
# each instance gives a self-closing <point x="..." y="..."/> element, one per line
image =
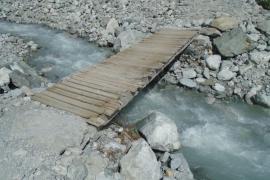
<point x="213" y="62"/>
<point x="226" y="74"/>
<point x="211" y="32"/>
<point x="225" y="23"/>
<point x="160" y="132"/>
<point x="140" y="163"/>
<point x="233" y="43"/>
<point x="188" y="83"/>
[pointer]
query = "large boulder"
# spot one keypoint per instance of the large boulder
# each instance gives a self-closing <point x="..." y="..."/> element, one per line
<point x="233" y="43"/>
<point x="225" y="23"/>
<point x="160" y="132"/>
<point x="140" y="163"/>
<point x="264" y="26"/>
<point x="262" y="99"/>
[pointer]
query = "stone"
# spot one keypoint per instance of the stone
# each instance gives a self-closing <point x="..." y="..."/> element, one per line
<point x="189" y="73"/>
<point x="112" y="26"/>
<point x="233" y="43"/>
<point x="206" y="73"/>
<point x="219" y="88"/>
<point x="19" y="79"/>
<point x="226" y="74"/>
<point x="213" y="62"/>
<point x="188" y="83"/>
<point x="244" y="68"/>
<point x="77" y="170"/>
<point x="264" y="26"/>
<point x="140" y="163"/>
<point x="165" y="157"/>
<point x="160" y="132"/>
<point x="180" y="163"/>
<point x="262" y="99"/>
<point x="225" y="23"/>
<point x="259" y="57"/>
<point x="252" y="92"/>
<point x="211" y="32"/>
<point x="200" y="80"/>
<point x="4" y="76"/>
<point x="126" y="38"/>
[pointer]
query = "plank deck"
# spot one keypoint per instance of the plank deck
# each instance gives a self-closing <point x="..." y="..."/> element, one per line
<point x="99" y="92"/>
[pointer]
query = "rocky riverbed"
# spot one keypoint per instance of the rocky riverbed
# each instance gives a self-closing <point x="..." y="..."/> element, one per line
<point x="229" y="59"/>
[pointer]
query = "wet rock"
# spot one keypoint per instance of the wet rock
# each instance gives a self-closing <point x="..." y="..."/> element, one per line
<point x="233" y="43"/>
<point x="225" y="23"/>
<point x="213" y="62"/>
<point x="183" y="171"/>
<point x="264" y="26"/>
<point x="140" y="163"/>
<point x="219" y="88"/>
<point x="252" y="92"/>
<point x="126" y="38"/>
<point x="189" y="73"/>
<point x="262" y="99"/>
<point x="226" y="74"/>
<point x="188" y="83"/>
<point x="4" y="76"/>
<point x="160" y="132"/>
<point x="259" y="57"/>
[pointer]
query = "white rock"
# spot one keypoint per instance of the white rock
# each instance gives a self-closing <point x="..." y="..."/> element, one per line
<point x="160" y="132"/>
<point x="213" y="62"/>
<point x="189" y="73"/>
<point x="180" y="163"/>
<point x="259" y="57"/>
<point x="126" y="38"/>
<point x="200" y="80"/>
<point x="218" y="87"/>
<point x="226" y="74"/>
<point x="112" y="26"/>
<point x="188" y="83"/>
<point x="4" y="76"/>
<point x="140" y="163"/>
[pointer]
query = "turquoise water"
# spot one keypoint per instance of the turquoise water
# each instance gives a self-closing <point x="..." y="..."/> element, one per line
<point x="223" y="141"/>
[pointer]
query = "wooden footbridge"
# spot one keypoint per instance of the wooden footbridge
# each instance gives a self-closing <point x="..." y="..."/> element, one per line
<point x="99" y="92"/>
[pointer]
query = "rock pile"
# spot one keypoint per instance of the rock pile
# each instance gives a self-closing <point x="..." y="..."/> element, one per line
<point x="235" y="63"/>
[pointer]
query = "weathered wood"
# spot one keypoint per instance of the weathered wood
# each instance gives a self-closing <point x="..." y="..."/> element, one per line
<point x="99" y="92"/>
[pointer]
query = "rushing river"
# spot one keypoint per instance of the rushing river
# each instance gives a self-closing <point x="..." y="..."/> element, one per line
<point x="60" y="53"/>
<point x="223" y="141"/>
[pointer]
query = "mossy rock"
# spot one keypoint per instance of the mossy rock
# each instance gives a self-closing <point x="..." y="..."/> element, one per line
<point x="264" y="3"/>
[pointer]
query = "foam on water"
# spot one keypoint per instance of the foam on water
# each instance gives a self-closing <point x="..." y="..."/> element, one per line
<point x="60" y="53"/>
<point x="224" y="141"/>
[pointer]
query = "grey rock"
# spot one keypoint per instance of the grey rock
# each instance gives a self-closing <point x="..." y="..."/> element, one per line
<point x="259" y="57"/>
<point x="226" y="74"/>
<point x="264" y="26"/>
<point x="262" y="99"/>
<point x="225" y="23"/>
<point x="165" y="157"/>
<point x="112" y="26"/>
<point x="244" y="68"/>
<point x="179" y="162"/>
<point x="140" y="163"/>
<point x="233" y="43"/>
<point x="189" y="73"/>
<point x="211" y="32"/>
<point x="160" y="132"/>
<point x="188" y="83"/>
<point x="206" y="73"/>
<point x="213" y="62"/>
<point x="77" y="170"/>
